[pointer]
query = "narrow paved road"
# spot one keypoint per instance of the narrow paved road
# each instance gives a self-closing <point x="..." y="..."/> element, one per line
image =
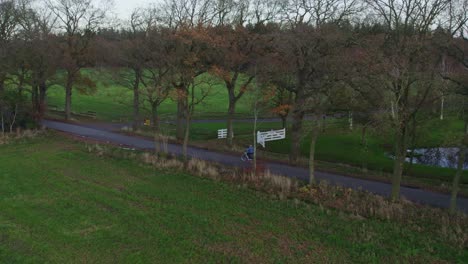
<point x="416" y="195"/>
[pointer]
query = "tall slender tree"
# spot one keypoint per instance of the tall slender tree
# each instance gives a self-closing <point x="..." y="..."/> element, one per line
<point x="405" y="63"/>
<point x="78" y="21"/>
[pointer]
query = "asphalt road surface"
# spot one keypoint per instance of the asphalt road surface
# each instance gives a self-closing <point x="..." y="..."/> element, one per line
<point x="103" y="133"/>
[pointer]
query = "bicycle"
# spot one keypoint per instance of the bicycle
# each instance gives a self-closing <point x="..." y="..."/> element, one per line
<point x="245" y="157"/>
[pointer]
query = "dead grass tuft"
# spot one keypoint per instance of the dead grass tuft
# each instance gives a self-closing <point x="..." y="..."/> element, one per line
<point x="161" y="162"/>
<point x="202" y="168"/>
<point x="8" y="138"/>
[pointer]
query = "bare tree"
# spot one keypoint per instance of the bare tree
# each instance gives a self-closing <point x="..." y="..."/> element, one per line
<point x="187" y="13"/>
<point x="405" y="63"/>
<point x="78" y="20"/>
<point x="8" y="27"/>
<point x="40" y="55"/>
<point x="185" y="19"/>
<point x="156" y="82"/>
<point x="197" y="91"/>
<point x="155" y="79"/>
<point x="133" y="53"/>
<point x="453" y="70"/>
<point x="306" y="19"/>
<point x="237" y="51"/>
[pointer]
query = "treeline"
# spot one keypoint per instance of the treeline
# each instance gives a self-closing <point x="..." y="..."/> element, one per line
<point x="385" y="62"/>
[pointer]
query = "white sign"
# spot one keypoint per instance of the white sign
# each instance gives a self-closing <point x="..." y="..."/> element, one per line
<point x="272" y="135"/>
<point x="222" y="133"/>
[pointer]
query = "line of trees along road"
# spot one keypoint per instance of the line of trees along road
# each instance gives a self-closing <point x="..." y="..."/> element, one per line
<point x="390" y="62"/>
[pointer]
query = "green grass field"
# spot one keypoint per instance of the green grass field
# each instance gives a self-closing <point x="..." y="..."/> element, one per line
<point x="112" y="101"/>
<point x="61" y="204"/>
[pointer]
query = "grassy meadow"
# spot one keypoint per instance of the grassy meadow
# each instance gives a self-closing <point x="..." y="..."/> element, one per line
<point x="61" y="204"/>
<point x="113" y="102"/>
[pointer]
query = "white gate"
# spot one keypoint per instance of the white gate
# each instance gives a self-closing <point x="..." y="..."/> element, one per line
<point x="222" y="133"/>
<point x="272" y="135"/>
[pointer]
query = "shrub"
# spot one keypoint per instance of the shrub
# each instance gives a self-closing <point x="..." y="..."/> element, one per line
<point x="15" y="112"/>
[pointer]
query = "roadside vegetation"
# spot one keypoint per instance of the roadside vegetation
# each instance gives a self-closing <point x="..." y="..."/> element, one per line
<point x="119" y="208"/>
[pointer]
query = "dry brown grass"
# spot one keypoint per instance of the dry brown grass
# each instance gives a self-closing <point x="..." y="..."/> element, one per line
<point x="8" y="138"/>
<point x="203" y="168"/>
<point x="161" y="162"/>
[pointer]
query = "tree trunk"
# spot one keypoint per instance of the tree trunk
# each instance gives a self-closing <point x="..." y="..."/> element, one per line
<point x="456" y="179"/>
<point x="400" y="155"/>
<point x="136" y="100"/>
<point x="254" y="164"/>
<point x="181" y="108"/>
<point x="155" y="118"/>
<point x="42" y="98"/>
<point x="230" y="129"/>
<point x="350" y="120"/>
<point x="21" y="78"/>
<point x="364" y="147"/>
<point x="68" y="96"/>
<point x="297" y="118"/>
<point x="296" y="133"/>
<point x="2" y="123"/>
<point x="392" y="110"/>
<point x="283" y="120"/>
<point x="231" y="88"/>
<point x="155" y="122"/>
<point x="35" y="99"/>
<point x="12" y="123"/>
<point x="412" y="144"/>
<point x="442" y="108"/>
<point x="313" y="140"/>
<point x="2" y="85"/>
<point x="186" y="139"/>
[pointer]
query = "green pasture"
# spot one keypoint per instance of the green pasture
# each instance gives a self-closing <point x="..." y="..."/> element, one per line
<point x="113" y="102"/>
<point x="60" y="204"/>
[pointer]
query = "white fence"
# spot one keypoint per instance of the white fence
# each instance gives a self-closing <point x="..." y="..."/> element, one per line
<point x="272" y="135"/>
<point x="222" y="133"/>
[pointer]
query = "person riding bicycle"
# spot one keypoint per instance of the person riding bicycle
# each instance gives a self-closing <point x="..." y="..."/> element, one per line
<point x="250" y="152"/>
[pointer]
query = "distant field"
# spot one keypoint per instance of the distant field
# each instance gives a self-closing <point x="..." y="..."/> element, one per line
<point x="61" y="204"/>
<point x="111" y="101"/>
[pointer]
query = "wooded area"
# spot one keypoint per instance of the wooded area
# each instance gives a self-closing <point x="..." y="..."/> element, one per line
<point x="384" y="63"/>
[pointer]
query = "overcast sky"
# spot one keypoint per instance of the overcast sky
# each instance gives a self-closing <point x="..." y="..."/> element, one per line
<point x="123" y="8"/>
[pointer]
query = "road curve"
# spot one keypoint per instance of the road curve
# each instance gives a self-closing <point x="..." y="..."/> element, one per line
<point x="416" y="195"/>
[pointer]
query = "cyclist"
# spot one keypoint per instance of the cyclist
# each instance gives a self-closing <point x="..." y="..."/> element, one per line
<point x="250" y="152"/>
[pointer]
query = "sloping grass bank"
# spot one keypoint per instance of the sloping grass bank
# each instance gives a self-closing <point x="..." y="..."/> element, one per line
<point x="60" y="203"/>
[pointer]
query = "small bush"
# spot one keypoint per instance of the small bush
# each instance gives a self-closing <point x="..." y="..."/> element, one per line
<point x="8" y="138"/>
<point x="15" y="112"/>
<point x="202" y="168"/>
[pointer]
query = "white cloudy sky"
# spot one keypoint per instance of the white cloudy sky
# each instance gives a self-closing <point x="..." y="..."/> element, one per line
<point x="123" y="8"/>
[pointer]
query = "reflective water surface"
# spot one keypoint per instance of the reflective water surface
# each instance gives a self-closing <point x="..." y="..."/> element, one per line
<point x="439" y="157"/>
